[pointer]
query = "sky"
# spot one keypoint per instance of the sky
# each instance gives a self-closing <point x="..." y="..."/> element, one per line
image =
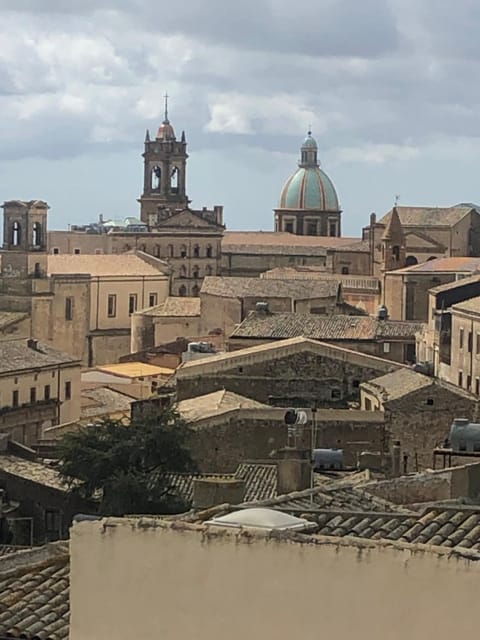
<point x="389" y="87"/>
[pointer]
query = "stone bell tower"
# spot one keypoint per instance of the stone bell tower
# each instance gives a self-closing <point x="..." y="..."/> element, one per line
<point x="393" y="244"/>
<point x="165" y="164"/>
<point x="24" y="239"/>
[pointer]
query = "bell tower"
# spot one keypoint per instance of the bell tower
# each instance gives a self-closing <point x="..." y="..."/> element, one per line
<point x="164" y="183"/>
<point x="24" y="239"/>
<point x="393" y="244"/>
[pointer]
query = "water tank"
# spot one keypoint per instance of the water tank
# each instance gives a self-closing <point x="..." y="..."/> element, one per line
<point x="200" y="347"/>
<point x="327" y="459"/>
<point x="465" y="435"/>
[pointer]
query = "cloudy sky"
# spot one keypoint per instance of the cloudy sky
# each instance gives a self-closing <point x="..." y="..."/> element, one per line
<point x="390" y="88"/>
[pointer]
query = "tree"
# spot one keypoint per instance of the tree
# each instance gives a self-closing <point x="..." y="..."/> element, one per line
<point x="124" y="463"/>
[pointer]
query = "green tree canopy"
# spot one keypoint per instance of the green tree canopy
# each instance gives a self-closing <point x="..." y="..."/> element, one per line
<point x="125" y="462"/>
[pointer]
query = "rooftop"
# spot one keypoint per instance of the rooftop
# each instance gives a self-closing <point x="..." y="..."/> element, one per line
<point x="281" y="349"/>
<point x="34" y="593"/>
<point x="134" y="369"/>
<point x="32" y="471"/>
<point x="289" y="325"/>
<point x="125" y="264"/>
<point x="470" y="306"/>
<point x="319" y="273"/>
<point x="275" y="242"/>
<point x="235" y="287"/>
<point x="443" y="265"/>
<point x="174" y="306"/>
<point x="428" y="216"/>
<point x="16" y="355"/>
<point x="398" y="384"/>
<point x="8" y="318"/>
<point x="456" y="284"/>
<point x="102" y="401"/>
<point x="214" y="404"/>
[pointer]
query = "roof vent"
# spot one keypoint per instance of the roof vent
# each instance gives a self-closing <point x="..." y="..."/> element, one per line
<point x="262" y="308"/>
<point x="32" y="344"/>
<point x="261" y="518"/>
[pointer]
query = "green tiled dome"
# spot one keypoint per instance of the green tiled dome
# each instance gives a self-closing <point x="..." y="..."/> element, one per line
<point x="309" y="187"/>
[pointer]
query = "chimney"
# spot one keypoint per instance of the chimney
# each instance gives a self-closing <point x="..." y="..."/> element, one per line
<point x="262" y="309"/>
<point x="294" y="470"/>
<point x="373" y="219"/>
<point x="32" y="344"/>
<point x="396" y="450"/>
<point x="208" y="492"/>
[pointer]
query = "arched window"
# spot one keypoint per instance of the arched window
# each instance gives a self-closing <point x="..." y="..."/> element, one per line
<point x="156" y="251"/>
<point x="127" y="247"/>
<point x="170" y="250"/>
<point x="156" y="178"/>
<point x="410" y="261"/>
<point x="396" y="252"/>
<point x="196" y="271"/>
<point x="174" y="180"/>
<point x="182" y="291"/>
<point x="196" y="251"/>
<point x="208" y="270"/>
<point x="16" y="234"/>
<point x="142" y="248"/>
<point x="195" y="290"/>
<point x="183" y="251"/>
<point x="183" y="272"/>
<point x="209" y="251"/>
<point x="432" y="258"/>
<point x="36" y="234"/>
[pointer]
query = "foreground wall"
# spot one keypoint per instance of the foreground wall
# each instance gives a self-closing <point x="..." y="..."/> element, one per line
<point x="178" y="581"/>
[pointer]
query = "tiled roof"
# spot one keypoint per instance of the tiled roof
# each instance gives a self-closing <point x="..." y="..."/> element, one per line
<point x="397" y="384"/>
<point x="471" y="306"/>
<point x="325" y="328"/>
<point x="443" y="265"/>
<point x="428" y="216"/>
<point x="32" y="471"/>
<point x="214" y="404"/>
<point x="273" y="242"/>
<point x="7" y="318"/>
<point x="440" y="527"/>
<point x="315" y="273"/>
<point x="34" y="593"/>
<point x="125" y="264"/>
<point x="235" y="287"/>
<point x="16" y="355"/>
<point x="456" y="284"/>
<point x="134" y="369"/>
<point x="173" y="306"/>
<point x="101" y="401"/>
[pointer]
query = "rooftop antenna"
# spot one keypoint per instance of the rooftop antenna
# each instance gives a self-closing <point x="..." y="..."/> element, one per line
<point x="397" y="198"/>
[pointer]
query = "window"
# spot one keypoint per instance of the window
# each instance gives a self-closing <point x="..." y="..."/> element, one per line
<point x="477" y="386"/>
<point x="132" y="303"/>
<point x="112" y="305"/>
<point x="195" y="291"/>
<point x="311" y="229"/>
<point x="429" y="402"/>
<point x="15" y="398"/>
<point x="170" y="251"/>
<point x="33" y="394"/>
<point x="368" y="404"/>
<point x="156" y="251"/>
<point x="69" y="308"/>
<point x="36" y="234"/>
<point x="469" y="382"/>
<point x="336" y="394"/>
<point x="152" y="299"/>
<point x="182" y="291"/>
<point x="53" y="524"/>
<point x="460" y="339"/>
<point x="98" y="252"/>
<point x="477" y="350"/>
<point x="332" y="229"/>
<point x="196" y="251"/>
<point x="386" y="347"/>
<point x="183" y="251"/>
<point x="460" y="379"/>
<point x="208" y="270"/>
<point x="355" y="384"/>
<point x="76" y="251"/>
<point x="396" y="252"/>
<point x="289" y="227"/>
<point x="68" y="390"/>
<point x="209" y="251"/>
<point x="345" y="271"/>
<point x="196" y="272"/>
<point x="55" y="251"/>
<point x="16" y="234"/>
<point x="470" y="342"/>
<point x="183" y="272"/>
<point x="46" y="392"/>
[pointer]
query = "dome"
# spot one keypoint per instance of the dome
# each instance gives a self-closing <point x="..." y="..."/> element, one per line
<point x="165" y="131"/>
<point x="309" y="188"/>
<point x="310" y="142"/>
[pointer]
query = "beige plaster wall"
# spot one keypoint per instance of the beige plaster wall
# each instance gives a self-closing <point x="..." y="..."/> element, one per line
<point x="172" y="583"/>
<point x="465" y="356"/>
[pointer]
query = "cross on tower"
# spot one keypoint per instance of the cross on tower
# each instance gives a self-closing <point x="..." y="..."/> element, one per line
<point x="166" y="96"/>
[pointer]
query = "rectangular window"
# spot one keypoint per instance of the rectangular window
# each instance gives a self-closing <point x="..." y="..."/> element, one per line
<point x="68" y="390"/>
<point x="112" y="305"/>
<point x="98" y="252"/>
<point x="289" y="227"/>
<point x="15" y="398"/>
<point x="55" y="251"/>
<point x="477" y="386"/>
<point x="132" y="303"/>
<point x="33" y="394"/>
<point x="478" y="344"/>
<point x="469" y="382"/>
<point x="76" y="251"/>
<point x="46" y="392"/>
<point x="333" y="229"/>
<point x="470" y="342"/>
<point x="69" y="308"/>
<point x="152" y="299"/>
<point x="460" y="339"/>
<point x="368" y="404"/>
<point x="53" y="524"/>
<point x="386" y="347"/>
<point x="460" y="379"/>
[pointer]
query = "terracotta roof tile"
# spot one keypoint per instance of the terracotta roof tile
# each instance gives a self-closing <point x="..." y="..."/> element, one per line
<point x="33" y="471"/>
<point x="324" y="328"/>
<point x="16" y="355"/>
<point x="428" y="216"/>
<point x="125" y="264"/>
<point x="446" y="265"/>
<point x="214" y="404"/>
<point x="235" y="287"/>
<point x="173" y="306"/>
<point x="273" y="242"/>
<point x="397" y="384"/>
